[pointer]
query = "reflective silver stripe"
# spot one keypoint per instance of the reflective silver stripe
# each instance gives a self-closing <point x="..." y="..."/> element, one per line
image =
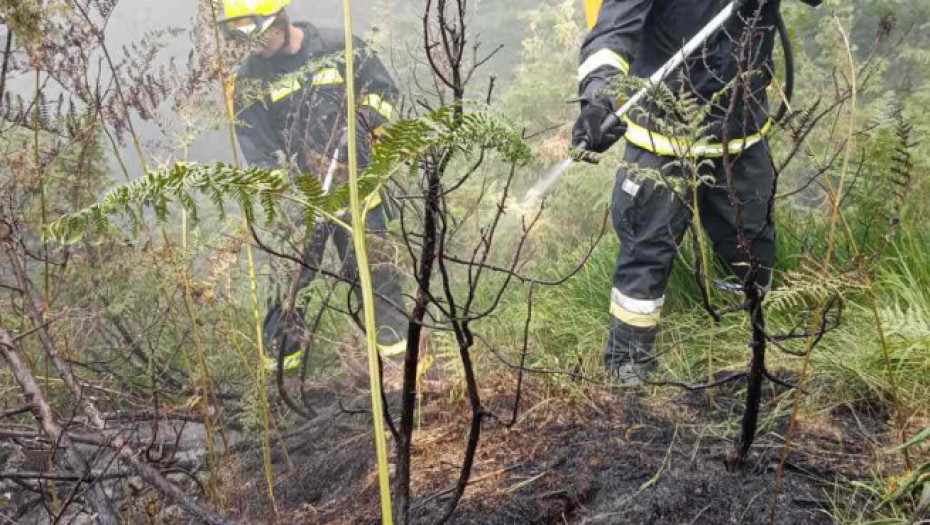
<point x="636" y="306"/>
<point x="604" y="57"/>
<point x="636" y="312"/>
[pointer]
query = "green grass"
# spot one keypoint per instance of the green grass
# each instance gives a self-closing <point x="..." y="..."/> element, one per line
<point x="571" y="321"/>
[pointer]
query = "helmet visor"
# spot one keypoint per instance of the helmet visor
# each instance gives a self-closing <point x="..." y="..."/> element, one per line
<point x="245" y="27"/>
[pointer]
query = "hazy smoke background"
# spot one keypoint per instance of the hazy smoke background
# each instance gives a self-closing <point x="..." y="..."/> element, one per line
<point x="495" y="22"/>
<point x="133" y="18"/>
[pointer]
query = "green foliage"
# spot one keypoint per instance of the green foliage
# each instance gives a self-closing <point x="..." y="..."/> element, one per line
<point x="405" y="142"/>
<point x="178" y="183"/>
<point x="26" y="18"/>
<point x="807" y="288"/>
<point x="413" y="139"/>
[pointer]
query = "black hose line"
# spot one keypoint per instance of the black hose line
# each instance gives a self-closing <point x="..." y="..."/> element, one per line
<point x="788" y="50"/>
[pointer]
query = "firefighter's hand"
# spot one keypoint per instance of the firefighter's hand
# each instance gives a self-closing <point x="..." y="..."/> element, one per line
<point x="587" y="131"/>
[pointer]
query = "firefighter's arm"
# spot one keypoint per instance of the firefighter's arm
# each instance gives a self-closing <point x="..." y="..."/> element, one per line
<point x="377" y="91"/>
<point x="610" y="46"/>
<point x="252" y="128"/>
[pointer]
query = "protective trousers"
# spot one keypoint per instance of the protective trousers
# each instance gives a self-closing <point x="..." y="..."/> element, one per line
<point x="387" y="282"/>
<point x="651" y="214"/>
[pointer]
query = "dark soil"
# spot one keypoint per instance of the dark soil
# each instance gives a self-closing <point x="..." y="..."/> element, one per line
<point x="600" y="458"/>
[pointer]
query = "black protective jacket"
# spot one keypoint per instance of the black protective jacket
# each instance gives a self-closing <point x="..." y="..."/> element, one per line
<point x="295" y="105"/>
<point x="637" y="37"/>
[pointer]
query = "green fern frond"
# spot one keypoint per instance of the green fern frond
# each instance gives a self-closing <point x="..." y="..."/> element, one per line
<point x="179" y="183"/>
<point x="412" y="140"/>
<point x="808" y="288"/>
<point x="404" y="145"/>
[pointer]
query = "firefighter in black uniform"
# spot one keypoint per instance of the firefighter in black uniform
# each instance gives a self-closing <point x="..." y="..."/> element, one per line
<point x="636" y="37"/>
<point x="290" y="100"/>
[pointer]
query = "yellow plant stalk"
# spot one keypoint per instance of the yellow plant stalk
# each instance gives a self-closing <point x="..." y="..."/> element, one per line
<point x="261" y="378"/>
<point x="206" y="379"/>
<point x="361" y="254"/>
<point x="262" y="386"/>
<point x="705" y="275"/>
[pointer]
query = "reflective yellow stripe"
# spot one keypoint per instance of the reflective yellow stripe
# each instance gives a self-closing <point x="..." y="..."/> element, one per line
<point x="290" y="362"/>
<point x="379" y="104"/>
<point x="371" y="202"/>
<point x="642" y="313"/>
<point x="393" y="349"/>
<point x="230" y="88"/>
<point x="603" y="58"/>
<point x="327" y="77"/>
<point x="284" y="89"/>
<point x="672" y="147"/>
<point x="634" y="319"/>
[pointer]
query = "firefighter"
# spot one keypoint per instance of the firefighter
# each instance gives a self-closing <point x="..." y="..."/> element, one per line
<point x="636" y="37"/>
<point x="289" y="100"/>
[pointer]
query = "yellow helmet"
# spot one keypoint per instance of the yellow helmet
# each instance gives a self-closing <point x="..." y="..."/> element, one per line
<point x="592" y="8"/>
<point x="250" y="17"/>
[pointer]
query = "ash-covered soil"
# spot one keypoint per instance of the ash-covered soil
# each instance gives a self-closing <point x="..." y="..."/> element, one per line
<point x="593" y="457"/>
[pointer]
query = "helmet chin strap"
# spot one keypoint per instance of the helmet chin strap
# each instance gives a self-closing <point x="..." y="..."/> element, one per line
<point x="286" y="46"/>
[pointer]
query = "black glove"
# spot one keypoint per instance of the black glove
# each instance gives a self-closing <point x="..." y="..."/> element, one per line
<point x="588" y="130"/>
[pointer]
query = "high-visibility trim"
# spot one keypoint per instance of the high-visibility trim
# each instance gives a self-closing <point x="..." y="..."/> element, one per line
<point x="230" y="91"/>
<point x="373" y="201"/>
<point x="285" y="88"/>
<point x="290" y="362"/>
<point x="636" y="312"/>
<point x="634" y="319"/>
<point x="379" y="104"/>
<point x="327" y="76"/>
<point x="639" y="306"/>
<point x="603" y="58"/>
<point x="672" y="147"/>
<point x="393" y="350"/>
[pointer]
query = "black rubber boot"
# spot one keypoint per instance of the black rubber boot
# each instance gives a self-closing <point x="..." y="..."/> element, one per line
<point x="629" y="356"/>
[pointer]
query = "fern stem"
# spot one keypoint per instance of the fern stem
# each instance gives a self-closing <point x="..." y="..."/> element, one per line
<point x="40" y="175"/>
<point x="892" y="379"/>
<point x="364" y="272"/>
<point x="117" y="84"/>
<point x="206" y="379"/>
<point x="262" y="383"/>
<point x="43" y="196"/>
<point x="837" y="198"/>
<point x="837" y="201"/>
<point x="705" y="273"/>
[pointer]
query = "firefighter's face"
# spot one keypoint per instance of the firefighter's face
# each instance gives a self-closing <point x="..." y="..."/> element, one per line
<point x="272" y="41"/>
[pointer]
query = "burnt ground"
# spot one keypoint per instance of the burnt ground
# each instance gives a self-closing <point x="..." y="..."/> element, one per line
<point x="590" y="458"/>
